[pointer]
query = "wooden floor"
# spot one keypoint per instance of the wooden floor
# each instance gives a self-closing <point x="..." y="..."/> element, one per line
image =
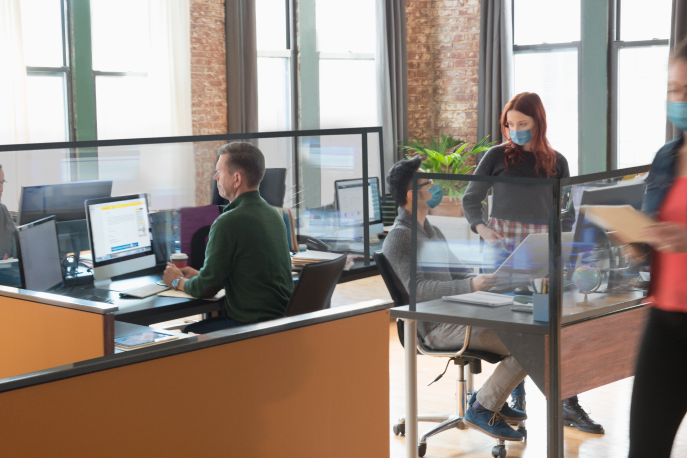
<point x="609" y="405"/>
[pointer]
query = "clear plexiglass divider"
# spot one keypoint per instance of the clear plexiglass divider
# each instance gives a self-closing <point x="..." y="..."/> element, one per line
<point x="452" y="262"/>
<point x="540" y="248"/>
<point x="600" y="275"/>
<point x="327" y="173"/>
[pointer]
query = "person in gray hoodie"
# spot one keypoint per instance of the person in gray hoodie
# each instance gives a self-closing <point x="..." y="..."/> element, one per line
<point x="488" y="410"/>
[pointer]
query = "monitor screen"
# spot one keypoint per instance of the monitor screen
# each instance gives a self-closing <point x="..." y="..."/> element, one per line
<point x="64" y="201"/>
<point x="119" y="229"/>
<point x="39" y="255"/>
<point x="349" y="199"/>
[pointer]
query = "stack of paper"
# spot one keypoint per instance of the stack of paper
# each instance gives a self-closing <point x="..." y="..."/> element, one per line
<point x="309" y="257"/>
<point x="481" y="298"/>
<point x="183" y="295"/>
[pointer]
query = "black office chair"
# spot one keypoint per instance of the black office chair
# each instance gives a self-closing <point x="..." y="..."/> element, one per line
<point x="461" y="358"/>
<point x="272" y="188"/>
<point x="315" y="286"/>
<point x="198" y="244"/>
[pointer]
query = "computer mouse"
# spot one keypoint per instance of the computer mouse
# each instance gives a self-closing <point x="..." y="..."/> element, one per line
<point x="523" y="291"/>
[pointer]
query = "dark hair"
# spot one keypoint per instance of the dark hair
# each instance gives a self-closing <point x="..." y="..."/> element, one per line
<point x="247" y="158"/>
<point x="529" y="103"/>
<point x="680" y="51"/>
<point x="400" y="178"/>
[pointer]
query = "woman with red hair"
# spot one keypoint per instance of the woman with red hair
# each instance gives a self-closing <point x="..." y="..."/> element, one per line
<point x="519" y="210"/>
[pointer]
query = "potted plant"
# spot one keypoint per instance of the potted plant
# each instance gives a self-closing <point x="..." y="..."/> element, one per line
<point x="446" y="154"/>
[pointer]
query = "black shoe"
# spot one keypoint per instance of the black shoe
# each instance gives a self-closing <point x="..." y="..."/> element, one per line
<point x="574" y="415"/>
<point x="518" y="403"/>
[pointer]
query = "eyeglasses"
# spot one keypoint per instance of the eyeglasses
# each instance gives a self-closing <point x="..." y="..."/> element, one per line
<point x="2" y="183"/>
<point x="425" y="184"/>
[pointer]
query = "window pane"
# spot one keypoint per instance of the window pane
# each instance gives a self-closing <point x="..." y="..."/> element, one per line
<point x="270" y="18"/>
<point x="546" y="21"/>
<point x="348" y="94"/>
<point x="41" y="29"/>
<point x="47" y="109"/>
<point x="346" y="26"/>
<point x="120" y="34"/>
<point x="122" y="107"/>
<point x="553" y="75"/>
<point x="642" y="83"/>
<point x="274" y="93"/>
<point x="638" y="22"/>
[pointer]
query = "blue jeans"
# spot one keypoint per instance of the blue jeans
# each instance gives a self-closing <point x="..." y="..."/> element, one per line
<point x="212" y="325"/>
<point x="520" y="391"/>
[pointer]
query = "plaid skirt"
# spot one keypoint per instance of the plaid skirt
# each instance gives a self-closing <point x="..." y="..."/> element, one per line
<point x="514" y="232"/>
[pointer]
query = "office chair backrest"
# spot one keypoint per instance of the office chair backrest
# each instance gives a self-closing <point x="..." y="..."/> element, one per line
<point x="272" y="188"/>
<point x="198" y="245"/>
<point x="315" y="286"/>
<point x="393" y="284"/>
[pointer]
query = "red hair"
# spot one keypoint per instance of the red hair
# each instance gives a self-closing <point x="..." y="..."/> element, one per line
<point x="529" y="103"/>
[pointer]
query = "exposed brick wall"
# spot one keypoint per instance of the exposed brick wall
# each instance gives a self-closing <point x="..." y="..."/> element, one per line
<point x="208" y="87"/>
<point x="443" y="54"/>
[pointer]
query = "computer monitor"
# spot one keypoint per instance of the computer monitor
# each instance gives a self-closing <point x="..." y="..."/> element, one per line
<point x="588" y="236"/>
<point x="65" y="201"/>
<point x="40" y="266"/>
<point x="120" y="235"/>
<point x="349" y="199"/>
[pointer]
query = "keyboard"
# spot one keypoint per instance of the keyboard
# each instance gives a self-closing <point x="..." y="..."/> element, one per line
<point x="90" y="297"/>
<point x="145" y="291"/>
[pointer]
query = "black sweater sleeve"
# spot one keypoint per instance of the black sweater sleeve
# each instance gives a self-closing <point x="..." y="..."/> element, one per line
<point x="477" y="191"/>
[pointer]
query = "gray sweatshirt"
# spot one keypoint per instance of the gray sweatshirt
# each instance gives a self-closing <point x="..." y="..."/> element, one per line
<point x="433" y="281"/>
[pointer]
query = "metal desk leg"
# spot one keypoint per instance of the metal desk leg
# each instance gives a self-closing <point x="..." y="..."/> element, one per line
<point x="410" y="329"/>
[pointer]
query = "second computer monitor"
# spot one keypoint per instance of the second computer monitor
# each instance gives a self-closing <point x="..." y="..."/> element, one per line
<point x="120" y="235"/>
<point x="64" y="201"/>
<point x="349" y="198"/>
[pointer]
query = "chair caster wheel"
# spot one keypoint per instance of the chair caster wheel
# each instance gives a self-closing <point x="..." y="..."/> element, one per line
<point x="499" y="451"/>
<point x="522" y="430"/>
<point x="400" y="429"/>
<point x="422" y="449"/>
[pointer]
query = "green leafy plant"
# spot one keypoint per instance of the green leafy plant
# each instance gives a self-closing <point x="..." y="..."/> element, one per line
<point x="446" y="154"/>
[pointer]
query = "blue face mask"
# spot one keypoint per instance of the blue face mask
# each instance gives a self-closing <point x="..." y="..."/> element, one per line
<point x="437" y="195"/>
<point x="677" y="113"/>
<point x="521" y="137"/>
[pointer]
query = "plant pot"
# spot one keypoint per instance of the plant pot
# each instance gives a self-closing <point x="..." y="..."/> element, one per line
<point x="448" y="208"/>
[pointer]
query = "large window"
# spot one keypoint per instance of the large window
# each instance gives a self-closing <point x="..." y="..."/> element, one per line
<point x="347" y="63"/>
<point x="640" y="66"/>
<point x="546" y="38"/>
<point x="274" y="65"/>
<point x="120" y="67"/>
<point x="44" y="39"/>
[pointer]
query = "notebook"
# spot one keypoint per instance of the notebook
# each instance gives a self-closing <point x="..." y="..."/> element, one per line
<point x="481" y="298"/>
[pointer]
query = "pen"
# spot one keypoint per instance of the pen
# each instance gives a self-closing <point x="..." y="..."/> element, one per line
<point x="4" y="258"/>
<point x="545" y="286"/>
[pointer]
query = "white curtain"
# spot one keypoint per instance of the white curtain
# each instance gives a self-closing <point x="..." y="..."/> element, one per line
<point x="161" y="108"/>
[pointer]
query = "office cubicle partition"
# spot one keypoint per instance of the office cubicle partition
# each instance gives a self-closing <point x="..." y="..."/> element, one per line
<point x="177" y="172"/>
<point x="45" y="330"/>
<point x="577" y="310"/>
<point x="307" y="386"/>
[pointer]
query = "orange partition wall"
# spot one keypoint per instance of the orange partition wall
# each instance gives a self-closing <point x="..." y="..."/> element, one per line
<point x="317" y="391"/>
<point x="40" y="336"/>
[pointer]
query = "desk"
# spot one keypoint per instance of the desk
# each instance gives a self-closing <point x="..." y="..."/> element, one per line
<point x="598" y="345"/>
<point x="156" y="309"/>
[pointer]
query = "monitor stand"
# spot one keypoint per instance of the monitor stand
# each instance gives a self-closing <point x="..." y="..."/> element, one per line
<point x="102" y="284"/>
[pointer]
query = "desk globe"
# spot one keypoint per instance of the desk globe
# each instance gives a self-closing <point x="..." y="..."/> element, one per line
<point x="587" y="280"/>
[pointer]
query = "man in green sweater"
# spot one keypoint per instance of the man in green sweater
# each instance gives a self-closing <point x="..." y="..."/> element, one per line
<point x="247" y="252"/>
